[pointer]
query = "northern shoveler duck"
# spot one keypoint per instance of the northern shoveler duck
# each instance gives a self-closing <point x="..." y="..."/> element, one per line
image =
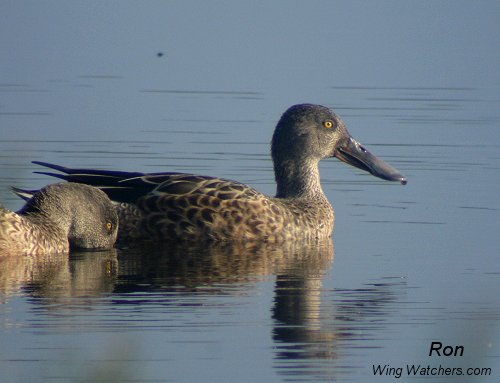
<point x="178" y="206"/>
<point x="57" y="217"/>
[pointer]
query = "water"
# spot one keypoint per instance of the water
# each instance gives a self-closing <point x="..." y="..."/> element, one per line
<point x="83" y="85"/>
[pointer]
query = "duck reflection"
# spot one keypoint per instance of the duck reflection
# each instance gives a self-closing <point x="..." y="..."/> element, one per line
<point x="219" y="265"/>
<point x="157" y="268"/>
<point x="58" y="278"/>
<point x="305" y="334"/>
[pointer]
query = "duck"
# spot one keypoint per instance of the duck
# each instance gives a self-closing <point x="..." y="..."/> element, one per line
<point x="57" y="218"/>
<point x="170" y="206"/>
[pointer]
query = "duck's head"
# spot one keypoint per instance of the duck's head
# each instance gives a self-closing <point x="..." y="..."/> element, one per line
<point x="308" y="133"/>
<point x="94" y="221"/>
<point x="84" y="213"/>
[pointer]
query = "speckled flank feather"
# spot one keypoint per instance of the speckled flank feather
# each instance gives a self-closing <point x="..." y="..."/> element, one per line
<point x="194" y="208"/>
<point x="20" y="235"/>
<point x="187" y="207"/>
<point x="58" y="217"/>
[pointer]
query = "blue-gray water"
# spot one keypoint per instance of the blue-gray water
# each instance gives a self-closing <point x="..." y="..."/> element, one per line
<point x="83" y="84"/>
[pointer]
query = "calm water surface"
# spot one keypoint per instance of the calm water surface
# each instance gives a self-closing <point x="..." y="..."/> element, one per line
<point x="406" y="265"/>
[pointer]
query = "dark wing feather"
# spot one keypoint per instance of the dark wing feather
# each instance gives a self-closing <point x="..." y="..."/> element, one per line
<point x="118" y="185"/>
<point x="24" y="194"/>
<point x="130" y="186"/>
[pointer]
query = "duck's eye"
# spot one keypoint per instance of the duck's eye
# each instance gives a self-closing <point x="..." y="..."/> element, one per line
<point x="328" y="124"/>
<point x="109" y="226"/>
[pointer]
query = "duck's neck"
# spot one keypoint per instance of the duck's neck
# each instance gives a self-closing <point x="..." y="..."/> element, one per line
<point x="298" y="179"/>
<point x="48" y="211"/>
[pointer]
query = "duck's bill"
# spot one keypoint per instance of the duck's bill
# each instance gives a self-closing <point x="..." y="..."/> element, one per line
<point x="353" y="153"/>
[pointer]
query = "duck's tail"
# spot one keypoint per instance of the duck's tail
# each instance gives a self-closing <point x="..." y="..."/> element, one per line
<point x="118" y="185"/>
<point x="25" y="194"/>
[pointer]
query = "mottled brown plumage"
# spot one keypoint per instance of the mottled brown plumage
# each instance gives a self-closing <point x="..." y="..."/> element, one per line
<point x="57" y="217"/>
<point x="177" y="206"/>
<point x="221" y="210"/>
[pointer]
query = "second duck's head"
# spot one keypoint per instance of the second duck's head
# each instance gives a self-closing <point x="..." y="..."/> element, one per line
<point x="84" y="213"/>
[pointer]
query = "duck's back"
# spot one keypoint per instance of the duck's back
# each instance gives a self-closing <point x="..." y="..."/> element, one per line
<point x="19" y="234"/>
<point x="193" y="208"/>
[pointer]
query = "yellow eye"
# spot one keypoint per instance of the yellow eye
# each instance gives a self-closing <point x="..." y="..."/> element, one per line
<point x="109" y="226"/>
<point x="328" y="124"/>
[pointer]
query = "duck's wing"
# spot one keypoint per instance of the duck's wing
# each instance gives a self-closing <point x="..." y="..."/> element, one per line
<point x="192" y="208"/>
<point x="131" y="186"/>
<point x="185" y="185"/>
<point x="118" y="185"/>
